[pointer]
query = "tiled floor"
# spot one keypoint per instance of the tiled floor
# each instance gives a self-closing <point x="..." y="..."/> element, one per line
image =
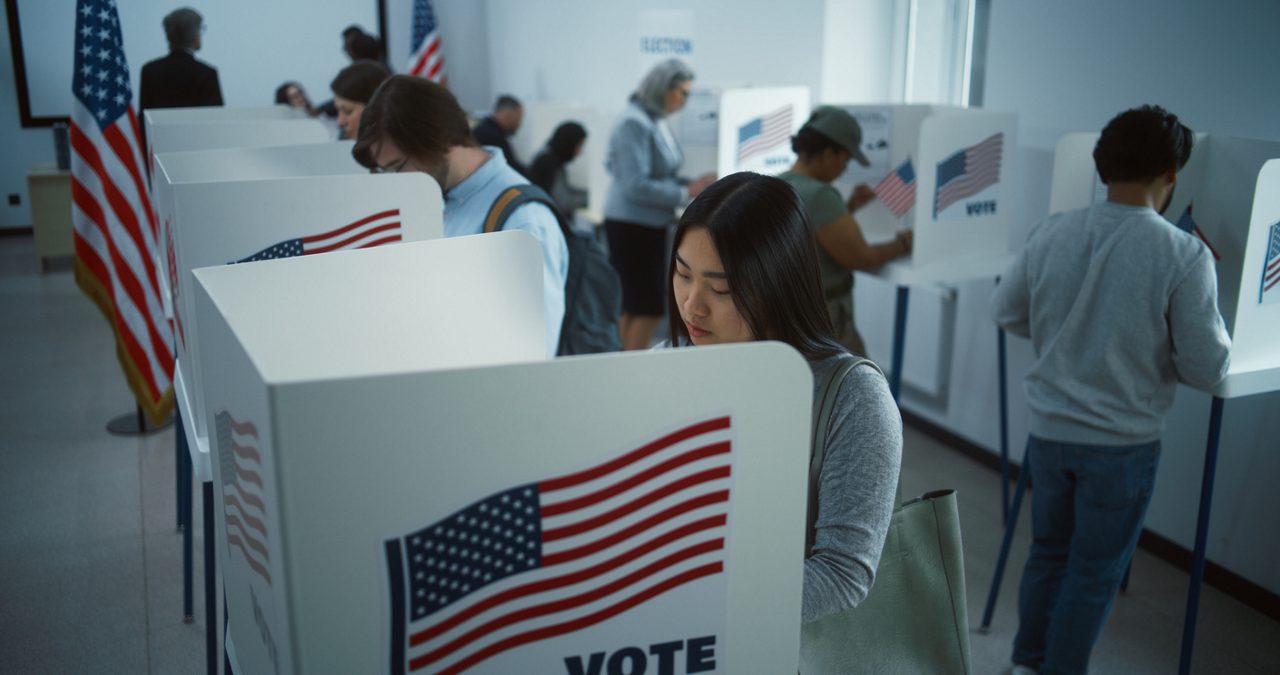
<point x="90" y="561"/>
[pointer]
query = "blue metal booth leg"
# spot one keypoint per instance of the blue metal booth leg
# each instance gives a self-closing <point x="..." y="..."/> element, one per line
<point x="1202" y="536"/>
<point x="899" y="338"/>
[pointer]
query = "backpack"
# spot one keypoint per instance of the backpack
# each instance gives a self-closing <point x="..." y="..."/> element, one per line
<point x="592" y="291"/>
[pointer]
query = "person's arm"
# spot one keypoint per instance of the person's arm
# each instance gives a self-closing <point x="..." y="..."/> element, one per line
<point x="213" y="90"/>
<point x="631" y="164"/>
<point x="1201" y="346"/>
<point x="842" y="240"/>
<point x="1011" y="302"/>
<point x="855" y="495"/>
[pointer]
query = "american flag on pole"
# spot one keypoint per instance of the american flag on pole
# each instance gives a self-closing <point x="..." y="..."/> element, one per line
<point x="426" y="59"/>
<point x="375" y="230"/>
<point x="554" y="557"/>
<point x="898" y="189"/>
<point x="1270" y="290"/>
<point x="1188" y="224"/>
<point x="968" y="172"/>
<point x="114" y="227"/>
<point x="764" y="133"/>
<point x="240" y="463"/>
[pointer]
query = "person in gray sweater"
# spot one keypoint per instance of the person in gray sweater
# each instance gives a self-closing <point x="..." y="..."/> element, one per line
<point x="744" y="267"/>
<point x="1120" y="305"/>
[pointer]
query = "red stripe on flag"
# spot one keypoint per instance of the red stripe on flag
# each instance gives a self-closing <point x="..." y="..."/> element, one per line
<point x="432" y="48"/>
<point x="576" y="625"/>
<point x="435" y="70"/>
<point x="243" y="428"/>
<point x="572" y="602"/>
<point x="347" y="228"/>
<point x="233" y="540"/>
<point x="634" y="456"/>
<point x="565" y="580"/>
<point x="249" y="498"/>
<point x="351" y="240"/>
<point x="246" y="452"/>
<point x="124" y="277"/>
<point x="253" y="521"/>
<point x="646" y="524"/>
<point x="124" y="152"/>
<point x="379" y="242"/>
<point x="234" y="521"/>
<point x="642" y="477"/>
<point x="636" y="504"/>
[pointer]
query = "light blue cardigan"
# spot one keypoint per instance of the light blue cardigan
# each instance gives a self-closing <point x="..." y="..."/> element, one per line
<point x="646" y="188"/>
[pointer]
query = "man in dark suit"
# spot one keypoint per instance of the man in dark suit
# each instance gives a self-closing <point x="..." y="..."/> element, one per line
<point x="179" y="80"/>
<point x="495" y="129"/>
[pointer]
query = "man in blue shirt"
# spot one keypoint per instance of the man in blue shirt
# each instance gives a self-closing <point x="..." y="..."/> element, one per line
<point x="411" y="124"/>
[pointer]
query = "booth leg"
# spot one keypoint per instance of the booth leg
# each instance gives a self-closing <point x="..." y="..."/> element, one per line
<point x="185" y="509"/>
<point x="1004" y="428"/>
<point x="1005" y="543"/>
<point x="1202" y="536"/>
<point x="899" y="338"/>
<point x="210" y="586"/>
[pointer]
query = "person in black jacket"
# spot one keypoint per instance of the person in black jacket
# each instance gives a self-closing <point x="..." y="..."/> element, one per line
<point x="179" y="80"/>
<point x="548" y="168"/>
<point x="495" y="129"/>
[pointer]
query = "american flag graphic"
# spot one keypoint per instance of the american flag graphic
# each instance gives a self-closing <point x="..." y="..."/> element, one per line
<point x="558" y="556"/>
<point x="115" y="231"/>
<point x="968" y="172"/>
<point x="1270" y="291"/>
<point x="764" y="133"/>
<point x="1188" y="224"/>
<point x="898" y="189"/>
<point x="240" y="462"/>
<point x="375" y="230"/>
<point x="426" y="59"/>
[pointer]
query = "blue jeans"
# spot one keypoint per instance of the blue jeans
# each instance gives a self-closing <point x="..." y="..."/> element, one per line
<point x="1087" y="507"/>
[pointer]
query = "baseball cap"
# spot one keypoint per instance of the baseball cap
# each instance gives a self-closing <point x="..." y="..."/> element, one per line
<point x="840" y="127"/>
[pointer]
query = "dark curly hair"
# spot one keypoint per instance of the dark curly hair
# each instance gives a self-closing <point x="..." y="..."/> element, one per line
<point x="1140" y="144"/>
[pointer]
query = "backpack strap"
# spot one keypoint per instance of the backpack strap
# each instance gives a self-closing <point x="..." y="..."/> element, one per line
<point x="823" y="407"/>
<point x="513" y="198"/>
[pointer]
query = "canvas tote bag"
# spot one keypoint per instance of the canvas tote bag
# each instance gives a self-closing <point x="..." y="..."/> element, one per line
<point x="914" y="619"/>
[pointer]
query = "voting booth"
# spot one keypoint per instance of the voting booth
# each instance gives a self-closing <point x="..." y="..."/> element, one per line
<point x="946" y="174"/>
<point x="1228" y="197"/>
<point x="755" y="126"/>
<point x="223" y="221"/>
<point x="587" y="171"/>
<point x="409" y="486"/>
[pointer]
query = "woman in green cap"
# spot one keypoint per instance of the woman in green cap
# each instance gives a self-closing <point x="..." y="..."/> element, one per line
<point x="824" y="146"/>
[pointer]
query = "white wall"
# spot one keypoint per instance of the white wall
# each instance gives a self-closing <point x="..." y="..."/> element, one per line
<point x="1072" y="66"/>
<point x="579" y="51"/>
<point x="22" y="147"/>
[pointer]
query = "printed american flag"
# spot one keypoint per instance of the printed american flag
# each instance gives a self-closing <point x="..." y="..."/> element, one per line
<point x="1270" y="291"/>
<point x="968" y="172"/>
<point x="114" y="227"/>
<point x="426" y="59"/>
<point x="558" y="556"/>
<point x="764" y="133"/>
<point x="240" y="463"/>
<point x="1188" y="224"/>
<point x="375" y="230"/>
<point x="898" y="189"/>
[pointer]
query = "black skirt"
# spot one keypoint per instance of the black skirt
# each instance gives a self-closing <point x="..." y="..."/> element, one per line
<point x="639" y="254"/>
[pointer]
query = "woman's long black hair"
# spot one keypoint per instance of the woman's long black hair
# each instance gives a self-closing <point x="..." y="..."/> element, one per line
<point x="759" y="229"/>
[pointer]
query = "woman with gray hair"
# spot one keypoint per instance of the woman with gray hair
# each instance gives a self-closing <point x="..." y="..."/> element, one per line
<point x="644" y="160"/>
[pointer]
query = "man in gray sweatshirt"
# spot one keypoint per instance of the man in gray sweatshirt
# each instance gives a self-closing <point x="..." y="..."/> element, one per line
<point x="1120" y="306"/>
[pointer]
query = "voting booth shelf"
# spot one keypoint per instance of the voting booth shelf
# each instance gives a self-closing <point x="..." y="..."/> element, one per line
<point x="235" y="221"/>
<point x="412" y="487"/>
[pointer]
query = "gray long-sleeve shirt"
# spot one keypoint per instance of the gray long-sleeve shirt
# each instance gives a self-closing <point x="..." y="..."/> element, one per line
<point x="856" y="490"/>
<point x="1120" y="305"/>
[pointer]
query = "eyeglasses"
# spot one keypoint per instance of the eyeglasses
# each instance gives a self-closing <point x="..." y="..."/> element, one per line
<point x="395" y="167"/>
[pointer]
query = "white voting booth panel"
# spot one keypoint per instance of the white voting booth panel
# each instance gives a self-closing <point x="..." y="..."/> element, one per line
<point x="157" y="116"/>
<point x="419" y="519"/>
<point x="222" y="222"/>
<point x="961" y="161"/>
<point x="214" y="134"/>
<point x="331" y="158"/>
<point x="1229" y="192"/>
<point x="756" y="126"/>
